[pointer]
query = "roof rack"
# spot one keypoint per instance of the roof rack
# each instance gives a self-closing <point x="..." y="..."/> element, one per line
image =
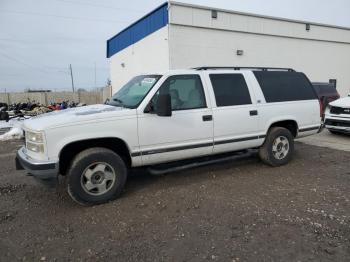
<point x="240" y="68"/>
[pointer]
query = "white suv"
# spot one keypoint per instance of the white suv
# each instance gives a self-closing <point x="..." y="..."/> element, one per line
<point x="337" y="116"/>
<point x="168" y="117"/>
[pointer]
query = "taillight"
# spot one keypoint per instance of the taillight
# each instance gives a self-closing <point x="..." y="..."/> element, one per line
<point x="321" y="108"/>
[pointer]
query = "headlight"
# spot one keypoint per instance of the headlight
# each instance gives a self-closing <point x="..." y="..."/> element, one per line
<point x="37" y="148"/>
<point x="35" y="142"/>
<point x="34" y="137"/>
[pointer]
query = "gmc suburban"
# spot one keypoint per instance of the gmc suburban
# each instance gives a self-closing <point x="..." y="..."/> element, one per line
<point x="162" y="119"/>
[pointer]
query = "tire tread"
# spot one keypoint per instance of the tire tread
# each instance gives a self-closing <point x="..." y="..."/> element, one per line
<point x="75" y="163"/>
<point x="264" y="151"/>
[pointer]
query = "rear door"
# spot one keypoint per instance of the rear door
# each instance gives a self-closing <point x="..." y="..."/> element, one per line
<point x="236" y="117"/>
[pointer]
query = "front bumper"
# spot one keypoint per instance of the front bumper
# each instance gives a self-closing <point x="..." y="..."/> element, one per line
<point x="39" y="169"/>
<point x="342" y="125"/>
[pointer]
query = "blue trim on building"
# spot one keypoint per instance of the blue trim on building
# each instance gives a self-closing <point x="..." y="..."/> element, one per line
<point x="147" y="25"/>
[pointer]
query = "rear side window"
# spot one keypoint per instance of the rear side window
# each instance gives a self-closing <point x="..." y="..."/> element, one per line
<point x="285" y="86"/>
<point x="230" y="89"/>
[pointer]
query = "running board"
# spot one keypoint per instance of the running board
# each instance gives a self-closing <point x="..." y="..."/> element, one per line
<point x="199" y="162"/>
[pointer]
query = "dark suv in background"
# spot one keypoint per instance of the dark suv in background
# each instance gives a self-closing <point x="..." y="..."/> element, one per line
<point x="326" y="93"/>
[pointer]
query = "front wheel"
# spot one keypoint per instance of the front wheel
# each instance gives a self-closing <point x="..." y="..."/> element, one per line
<point x="96" y="176"/>
<point x="278" y="148"/>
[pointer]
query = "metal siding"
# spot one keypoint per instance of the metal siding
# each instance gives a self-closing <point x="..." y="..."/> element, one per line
<point x="149" y="55"/>
<point x="231" y="21"/>
<point x="139" y="30"/>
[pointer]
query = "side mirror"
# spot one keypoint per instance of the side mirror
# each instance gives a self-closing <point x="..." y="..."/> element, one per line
<point x="164" y="105"/>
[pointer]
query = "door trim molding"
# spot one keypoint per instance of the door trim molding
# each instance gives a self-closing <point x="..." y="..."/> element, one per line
<point x="309" y="129"/>
<point x="195" y="146"/>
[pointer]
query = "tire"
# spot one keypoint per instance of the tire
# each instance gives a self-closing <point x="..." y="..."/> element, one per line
<point x="278" y="148"/>
<point x="96" y="176"/>
<point x="4" y="116"/>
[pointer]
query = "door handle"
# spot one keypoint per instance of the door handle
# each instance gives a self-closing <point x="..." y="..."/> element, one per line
<point x="207" y="118"/>
<point x="253" y="112"/>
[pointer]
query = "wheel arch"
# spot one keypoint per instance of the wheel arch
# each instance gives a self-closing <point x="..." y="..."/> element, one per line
<point x="70" y="150"/>
<point x="290" y="124"/>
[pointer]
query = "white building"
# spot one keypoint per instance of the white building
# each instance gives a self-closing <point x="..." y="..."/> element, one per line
<point x="178" y="36"/>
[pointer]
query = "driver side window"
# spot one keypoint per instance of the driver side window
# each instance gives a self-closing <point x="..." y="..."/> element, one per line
<point x="186" y="92"/>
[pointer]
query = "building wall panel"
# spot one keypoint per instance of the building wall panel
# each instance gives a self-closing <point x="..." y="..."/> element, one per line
<point x="180" y="14"/>
<point x="320" y="60"/>
<point x="150" y="55"/>
<point x="139" y="30"/>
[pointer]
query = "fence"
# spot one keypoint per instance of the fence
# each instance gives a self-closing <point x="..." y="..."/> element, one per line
<point x="89" y="98"/>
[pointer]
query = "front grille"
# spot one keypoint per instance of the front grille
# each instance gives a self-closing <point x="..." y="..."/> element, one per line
<point x="339" y="110"/>
<point x="341" y="123"/>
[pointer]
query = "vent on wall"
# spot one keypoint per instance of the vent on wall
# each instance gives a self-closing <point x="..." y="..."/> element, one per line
<point x="308" y="27"/>
<point x="239" y="52"/>
<point x="333" y="82"/>
<point x="214" y="14"/>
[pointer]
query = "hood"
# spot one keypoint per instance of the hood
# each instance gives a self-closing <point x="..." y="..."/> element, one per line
<point x="75" y="116"/>
<point x="342" y="102"/>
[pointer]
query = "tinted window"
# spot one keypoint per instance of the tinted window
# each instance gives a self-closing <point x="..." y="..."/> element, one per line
<point x="186" y="92"/>
<point x="230" y="89"/>
<point x="285" y="86"/>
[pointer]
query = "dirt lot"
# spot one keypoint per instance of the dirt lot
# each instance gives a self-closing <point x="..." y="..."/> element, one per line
<point x="326" y="139"/>
<point x="239" y="211"/>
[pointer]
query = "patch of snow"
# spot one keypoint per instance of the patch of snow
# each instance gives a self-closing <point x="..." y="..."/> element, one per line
<point x="4" y="124"/>
<point x="15" y="132"/>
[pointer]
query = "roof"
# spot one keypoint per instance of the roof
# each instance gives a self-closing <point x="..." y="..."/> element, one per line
<point x="143" y="27"/>
<point x="256" y="15"/>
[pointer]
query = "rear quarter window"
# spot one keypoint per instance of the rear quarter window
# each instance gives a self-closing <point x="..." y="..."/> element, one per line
<point x="285" y="86"/>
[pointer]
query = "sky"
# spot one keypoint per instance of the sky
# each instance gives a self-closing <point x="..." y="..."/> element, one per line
<point x="39" y="39"/>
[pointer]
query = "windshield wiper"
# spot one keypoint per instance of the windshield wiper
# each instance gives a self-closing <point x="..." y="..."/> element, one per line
<point x="121" y="103"/>
<point x="118" y="100"/>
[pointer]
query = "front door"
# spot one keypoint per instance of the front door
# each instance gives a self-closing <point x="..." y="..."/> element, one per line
<point x="187" y="133"/>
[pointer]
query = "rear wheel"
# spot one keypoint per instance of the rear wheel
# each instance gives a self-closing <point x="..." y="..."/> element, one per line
<point x="278" y="148"/>
<point x="96" y="176"/>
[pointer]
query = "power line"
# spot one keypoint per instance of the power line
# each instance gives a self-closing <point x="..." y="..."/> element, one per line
<point x="35" y="41"/>
<point x="23" y="63"/>
<point x="101" y="6"/>
<point x="63" y="17"/>
<point x="53" y="69"/>
<point x="40" y="69"/>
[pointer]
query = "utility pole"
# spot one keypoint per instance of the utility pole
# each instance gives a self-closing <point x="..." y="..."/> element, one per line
<point x="71" y="75"/>
<point x="95" y="75"/>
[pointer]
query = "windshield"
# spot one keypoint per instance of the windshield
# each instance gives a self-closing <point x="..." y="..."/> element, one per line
<point x="132" y="94"/>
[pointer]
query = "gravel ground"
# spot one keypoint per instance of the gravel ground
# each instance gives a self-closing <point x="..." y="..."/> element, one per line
<point x="238" y="211"/>
<point x="327" y="139"/>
